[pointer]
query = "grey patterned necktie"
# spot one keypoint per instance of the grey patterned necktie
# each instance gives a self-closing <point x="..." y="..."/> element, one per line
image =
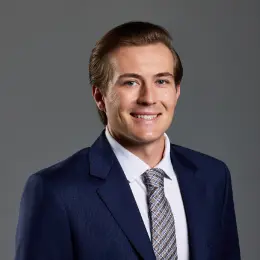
<point x="161" y="217"/>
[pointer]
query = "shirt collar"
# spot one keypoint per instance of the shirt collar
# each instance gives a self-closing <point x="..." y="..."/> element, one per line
<point x="132" y="165"/>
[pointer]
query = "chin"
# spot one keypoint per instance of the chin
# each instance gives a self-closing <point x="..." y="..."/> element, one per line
<point x="147" y="137"/>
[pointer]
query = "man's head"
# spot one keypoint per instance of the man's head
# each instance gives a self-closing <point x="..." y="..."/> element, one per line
<point x="135" y="74"/>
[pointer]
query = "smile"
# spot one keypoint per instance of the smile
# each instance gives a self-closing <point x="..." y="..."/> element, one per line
<point x="145" y="117"/>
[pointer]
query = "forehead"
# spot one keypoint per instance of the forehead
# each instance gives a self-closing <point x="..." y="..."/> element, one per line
<point x="152" y="58"/>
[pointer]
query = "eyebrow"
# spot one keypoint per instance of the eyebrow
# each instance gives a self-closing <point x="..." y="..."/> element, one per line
<point x="134" y="75"/>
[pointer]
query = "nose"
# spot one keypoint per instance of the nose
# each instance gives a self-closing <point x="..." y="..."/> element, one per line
<point x="147" y="95"/>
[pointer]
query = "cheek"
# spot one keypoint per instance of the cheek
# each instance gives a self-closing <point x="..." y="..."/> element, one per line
<point x="112" y="102"/>
<point x="113" y="98"/>
<point x="123" y="99"/>
<point x="116" y="102"/>
<point x="169" y="99"/>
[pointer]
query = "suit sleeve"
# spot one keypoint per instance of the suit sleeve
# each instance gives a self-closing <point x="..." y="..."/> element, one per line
<point x="43" y="229"/>
<point x="231" y="250"/>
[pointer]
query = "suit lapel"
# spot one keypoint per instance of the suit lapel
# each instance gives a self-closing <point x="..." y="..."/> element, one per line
<point x="117" y="196"/>
<point x="193" y="192"/>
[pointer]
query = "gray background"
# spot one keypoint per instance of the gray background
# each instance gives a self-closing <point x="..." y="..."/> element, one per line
<point x="46" y="107"/>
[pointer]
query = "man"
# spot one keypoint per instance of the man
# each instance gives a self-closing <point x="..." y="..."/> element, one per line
<point x="132" y="194"/>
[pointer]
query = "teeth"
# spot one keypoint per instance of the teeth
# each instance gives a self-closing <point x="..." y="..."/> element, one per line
<point x="150" y="117"/>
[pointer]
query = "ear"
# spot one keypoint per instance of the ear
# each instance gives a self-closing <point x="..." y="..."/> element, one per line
<point x="178" y="91"/>
<point x="99" y="98"/>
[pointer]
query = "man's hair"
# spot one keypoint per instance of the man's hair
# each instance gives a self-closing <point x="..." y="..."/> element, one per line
<point x="127" y="34"/>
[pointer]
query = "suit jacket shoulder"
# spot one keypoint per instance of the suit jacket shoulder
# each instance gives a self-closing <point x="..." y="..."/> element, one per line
<point x="209" y="168"/>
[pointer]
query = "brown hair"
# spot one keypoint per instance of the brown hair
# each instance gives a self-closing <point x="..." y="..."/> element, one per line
<point x="127" y="34"/>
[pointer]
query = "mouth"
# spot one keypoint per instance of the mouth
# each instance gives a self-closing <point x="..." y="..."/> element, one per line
<point x="145" y="116"/>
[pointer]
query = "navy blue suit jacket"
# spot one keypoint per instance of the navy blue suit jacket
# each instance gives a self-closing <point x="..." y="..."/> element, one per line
<point x="83" y="209"/>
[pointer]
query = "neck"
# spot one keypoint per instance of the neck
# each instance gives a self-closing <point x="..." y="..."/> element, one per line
<point x="151" y="152"/>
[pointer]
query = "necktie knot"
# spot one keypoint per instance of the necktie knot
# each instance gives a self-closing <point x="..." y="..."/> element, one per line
<point x="154" y="178"/>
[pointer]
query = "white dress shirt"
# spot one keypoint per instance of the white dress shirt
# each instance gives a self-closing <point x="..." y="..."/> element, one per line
<point x="133" y="168"/>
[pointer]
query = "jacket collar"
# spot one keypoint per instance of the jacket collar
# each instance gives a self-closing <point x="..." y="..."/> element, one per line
<point x="118" y="198"/>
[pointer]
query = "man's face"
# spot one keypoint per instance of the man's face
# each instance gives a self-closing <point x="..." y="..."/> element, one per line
<point x="141" y="98"/>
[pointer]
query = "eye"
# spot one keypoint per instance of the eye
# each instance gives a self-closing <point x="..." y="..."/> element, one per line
<point x="129" y="83"/>
<point x="163" y="81"/>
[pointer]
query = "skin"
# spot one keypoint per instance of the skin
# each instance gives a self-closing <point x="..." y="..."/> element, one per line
<point x="142" y="84"/>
